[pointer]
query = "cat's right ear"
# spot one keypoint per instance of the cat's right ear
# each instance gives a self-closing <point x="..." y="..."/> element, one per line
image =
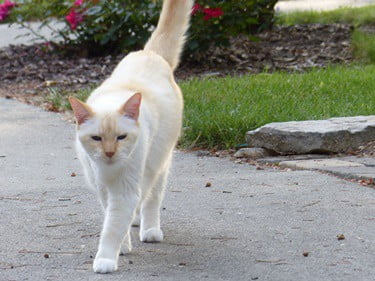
<point x="82" y="111"/>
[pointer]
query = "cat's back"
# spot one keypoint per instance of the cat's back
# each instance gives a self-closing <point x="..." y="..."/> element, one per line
<point x="144" y="72"/>
<point x="145" y="68"/>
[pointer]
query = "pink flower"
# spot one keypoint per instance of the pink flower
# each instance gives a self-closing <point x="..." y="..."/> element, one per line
<point x="4" y="9"/>
<point x="78" y="3"/>
<point x="9" y="4"/>
<point x="4" y="12"/>
<point x="74" y="18"/>
<point x="196" y="8"/>
<point x="212" y="13"/>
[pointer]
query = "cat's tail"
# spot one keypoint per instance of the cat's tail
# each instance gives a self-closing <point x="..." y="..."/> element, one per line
<point x="168" y="38"/>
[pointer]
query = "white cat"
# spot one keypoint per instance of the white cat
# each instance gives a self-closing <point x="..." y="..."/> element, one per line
<point x="126" y="133"/>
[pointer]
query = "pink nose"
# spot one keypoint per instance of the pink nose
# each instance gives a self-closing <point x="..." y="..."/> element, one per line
<point x="109" y="154"/>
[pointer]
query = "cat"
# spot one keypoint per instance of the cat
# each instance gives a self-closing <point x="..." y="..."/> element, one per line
<point x="126" y="132"/>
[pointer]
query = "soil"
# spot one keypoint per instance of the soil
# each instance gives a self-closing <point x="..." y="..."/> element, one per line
<point x="31" y="70"/>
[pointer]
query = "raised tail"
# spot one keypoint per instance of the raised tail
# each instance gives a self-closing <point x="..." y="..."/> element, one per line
<point x="168" y="38"/>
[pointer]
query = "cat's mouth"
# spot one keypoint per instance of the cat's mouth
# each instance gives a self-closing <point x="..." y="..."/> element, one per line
<point x="110" y="161"/>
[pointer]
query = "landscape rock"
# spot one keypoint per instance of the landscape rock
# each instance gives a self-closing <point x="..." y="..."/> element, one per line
<point x="345" y="167"/>
<point x="328" y="136"/>
<point x="319" y="164"/>
<point x="253" y="153"/>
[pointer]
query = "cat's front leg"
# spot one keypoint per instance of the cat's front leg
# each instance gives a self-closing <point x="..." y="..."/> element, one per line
<point x="118" y="216"/>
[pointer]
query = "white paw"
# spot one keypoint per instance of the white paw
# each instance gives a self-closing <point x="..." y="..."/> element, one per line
<point x="152" y="235"/>
<point x="104" y="265"/>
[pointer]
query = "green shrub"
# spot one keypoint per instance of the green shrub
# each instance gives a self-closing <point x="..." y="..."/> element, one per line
<point x="231" y="18"/>
<point x="103" y="26"/>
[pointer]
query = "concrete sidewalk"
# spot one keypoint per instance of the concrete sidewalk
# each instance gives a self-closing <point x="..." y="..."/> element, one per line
<point x="249" y="225"/>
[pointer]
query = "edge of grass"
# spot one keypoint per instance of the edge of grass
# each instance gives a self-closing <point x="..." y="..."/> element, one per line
<point x="356" y="16"/>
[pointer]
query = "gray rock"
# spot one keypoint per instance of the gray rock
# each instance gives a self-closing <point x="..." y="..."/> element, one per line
<point x="332" y="135"/>
<point x="253" y="153"/>
<point x="344" y="167"/>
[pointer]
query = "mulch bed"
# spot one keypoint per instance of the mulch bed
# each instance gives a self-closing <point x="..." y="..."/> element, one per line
<point x="28" y="71"/>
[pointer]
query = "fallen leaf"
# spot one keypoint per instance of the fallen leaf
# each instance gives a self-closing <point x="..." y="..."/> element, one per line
<point x="340" y="237"/>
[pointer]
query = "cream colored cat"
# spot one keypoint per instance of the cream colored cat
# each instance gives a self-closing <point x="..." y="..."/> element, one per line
<point x="126" y="133"/>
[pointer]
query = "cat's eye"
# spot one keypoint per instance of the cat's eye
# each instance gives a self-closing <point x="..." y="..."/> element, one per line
<point x="96" y="138"/>
<point x="121" y="137"/>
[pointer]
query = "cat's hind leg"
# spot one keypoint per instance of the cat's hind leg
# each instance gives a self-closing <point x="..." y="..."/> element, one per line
<point x="150" y="210"/>
<point x="137" y="216"/>
<point x="126" y="245"/>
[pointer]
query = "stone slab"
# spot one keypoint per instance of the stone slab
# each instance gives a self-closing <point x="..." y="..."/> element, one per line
<point x="278" y="159"/>
<point x="252" y="153"/>
<point x="319" y="164"/>
<point x="343" y="169"/>
<point x="368" y="161"/>
<point x="332" y="135"/>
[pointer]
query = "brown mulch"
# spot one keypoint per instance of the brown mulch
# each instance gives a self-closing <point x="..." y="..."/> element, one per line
<point x="29" y="71"/>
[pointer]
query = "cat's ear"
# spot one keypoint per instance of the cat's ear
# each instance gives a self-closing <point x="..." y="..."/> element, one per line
<point x="131" y="107"/>
<point x="82" y="111"/>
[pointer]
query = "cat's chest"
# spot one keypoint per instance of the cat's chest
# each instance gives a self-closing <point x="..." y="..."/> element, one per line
<point x="110" y="175"/>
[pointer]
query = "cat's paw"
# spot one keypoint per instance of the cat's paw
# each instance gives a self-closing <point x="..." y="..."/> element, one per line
<point x="104" y="265"/>
<point x="151" y="235"/>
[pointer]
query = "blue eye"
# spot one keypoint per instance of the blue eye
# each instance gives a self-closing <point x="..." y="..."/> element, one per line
<point x="96" y="138"/>
<point x="121" y="137"/>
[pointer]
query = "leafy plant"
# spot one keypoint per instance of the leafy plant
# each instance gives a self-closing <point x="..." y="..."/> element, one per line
<point x="107" y="26"/>
<point x="215" y="21"/>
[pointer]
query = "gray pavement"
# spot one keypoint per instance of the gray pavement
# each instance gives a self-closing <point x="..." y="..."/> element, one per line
<point x="249" y="225"/>
<point x="15" y="34"/>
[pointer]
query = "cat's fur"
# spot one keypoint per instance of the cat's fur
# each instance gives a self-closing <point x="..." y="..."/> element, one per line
<point x="126" y="133"/>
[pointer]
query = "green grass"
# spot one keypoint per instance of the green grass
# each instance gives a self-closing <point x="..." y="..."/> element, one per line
<point x="363" y="45"/>
<point x="356" y="16"/>
<point x="219" y="111"/>
<point x="59" y="97"/>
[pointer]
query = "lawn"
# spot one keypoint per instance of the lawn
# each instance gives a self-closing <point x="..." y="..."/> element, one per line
<point x="219" y="111"/>
<point x="356" y="16"/>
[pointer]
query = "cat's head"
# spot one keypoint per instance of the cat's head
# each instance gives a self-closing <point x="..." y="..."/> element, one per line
<point x="108" y="136"/>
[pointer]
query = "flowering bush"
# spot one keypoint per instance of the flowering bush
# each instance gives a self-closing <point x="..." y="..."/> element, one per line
<point x="215" y="21"/>
<point x="104" y="26"/>
<point x="5" y="9"/>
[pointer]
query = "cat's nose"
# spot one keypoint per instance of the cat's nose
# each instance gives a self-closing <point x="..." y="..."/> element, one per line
<point x="109" y="154"/>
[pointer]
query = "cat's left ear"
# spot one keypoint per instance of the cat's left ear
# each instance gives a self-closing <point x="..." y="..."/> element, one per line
<point x="82" y="111"/>
<point x="131" y="107"/>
